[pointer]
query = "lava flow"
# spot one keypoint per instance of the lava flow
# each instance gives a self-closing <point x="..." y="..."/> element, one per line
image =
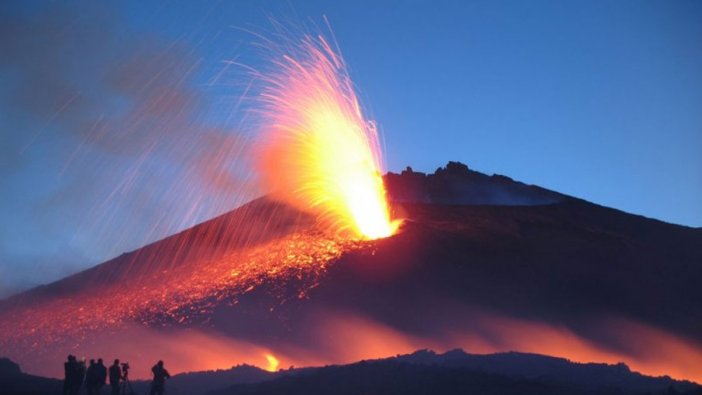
<point x="319" y="153"/>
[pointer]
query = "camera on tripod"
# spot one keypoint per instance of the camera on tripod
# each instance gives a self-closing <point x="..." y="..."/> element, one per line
<point x="125" y="387"/>
<point x="125" y="369"/>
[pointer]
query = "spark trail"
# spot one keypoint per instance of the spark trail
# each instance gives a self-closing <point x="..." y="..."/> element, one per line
<point x="318" y="154"/>
<point x="318" y="151"/>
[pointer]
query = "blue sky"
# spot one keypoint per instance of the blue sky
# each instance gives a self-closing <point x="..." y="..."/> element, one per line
<point x="600" y="100"/>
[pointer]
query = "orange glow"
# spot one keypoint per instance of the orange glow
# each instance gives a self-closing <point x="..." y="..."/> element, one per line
<point x="302" y="257"/>
<point x="273" y="363"/>
<point x="356" y="337"/>
<point x="319" y="153"/>
<point x="664" y="354"/>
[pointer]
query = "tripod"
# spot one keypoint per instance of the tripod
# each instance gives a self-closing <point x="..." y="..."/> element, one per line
<point x="126" y="387"/>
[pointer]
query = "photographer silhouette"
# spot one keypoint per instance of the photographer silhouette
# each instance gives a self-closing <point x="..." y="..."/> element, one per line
<point x="158" y="385"/>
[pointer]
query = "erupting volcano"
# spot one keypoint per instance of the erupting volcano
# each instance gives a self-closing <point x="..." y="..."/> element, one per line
<point x="321" y="160"/>
<point x="317" y="272"/>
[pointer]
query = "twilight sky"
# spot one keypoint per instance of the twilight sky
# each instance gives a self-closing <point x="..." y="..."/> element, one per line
<point x="122" y="122"/>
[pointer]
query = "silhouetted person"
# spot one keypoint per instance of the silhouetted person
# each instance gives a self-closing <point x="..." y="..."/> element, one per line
<point x="115" y="377"/>
<point x="100" y="376"/>
<point x="71" y="375"/>
<point x="160" y="376"/>
<point x="91" y="377"/>
<point x="80" y="376"/>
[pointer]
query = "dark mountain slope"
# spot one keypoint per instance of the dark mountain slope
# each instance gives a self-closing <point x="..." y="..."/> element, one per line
<point x="546" y="368"/>
<point x="14" y="382"/>
<point x="458" y="373"/>
<point x="480" y="276"/>
<point x="624" y="283"/>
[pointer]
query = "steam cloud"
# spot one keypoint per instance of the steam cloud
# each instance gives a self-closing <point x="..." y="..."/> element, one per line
<point x="109" y="142"/>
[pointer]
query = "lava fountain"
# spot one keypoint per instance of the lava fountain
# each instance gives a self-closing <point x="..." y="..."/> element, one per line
<point x="318" y="151"/>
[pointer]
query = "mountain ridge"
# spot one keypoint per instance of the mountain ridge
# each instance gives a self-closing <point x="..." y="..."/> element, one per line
<point x="597" y="281"/>
<point x="511" y="368"/>
<point x="399" y="187"/>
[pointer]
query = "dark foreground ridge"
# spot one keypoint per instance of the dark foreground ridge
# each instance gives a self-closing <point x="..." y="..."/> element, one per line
<point x="15" y="382"/>
<point x="422" y="372"/>
<point x="456" y="372"/>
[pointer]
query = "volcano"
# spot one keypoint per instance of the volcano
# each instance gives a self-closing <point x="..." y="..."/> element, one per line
<point x="484" y="263"/>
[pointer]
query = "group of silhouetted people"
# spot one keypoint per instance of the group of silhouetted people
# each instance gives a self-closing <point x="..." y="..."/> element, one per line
<point x="95" y="376"/>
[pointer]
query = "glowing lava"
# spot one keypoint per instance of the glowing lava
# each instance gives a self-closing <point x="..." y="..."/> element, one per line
<point x="318" y="152"/>
<point x="273" y="363"/>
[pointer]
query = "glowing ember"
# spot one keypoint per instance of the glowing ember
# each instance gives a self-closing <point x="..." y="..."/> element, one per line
<point x="179" y="296"/>
<point x="319" y="152"/>
<point x="272" y="363"/>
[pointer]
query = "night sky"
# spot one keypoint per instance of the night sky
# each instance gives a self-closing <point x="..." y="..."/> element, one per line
<point x="123" y="122"/>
